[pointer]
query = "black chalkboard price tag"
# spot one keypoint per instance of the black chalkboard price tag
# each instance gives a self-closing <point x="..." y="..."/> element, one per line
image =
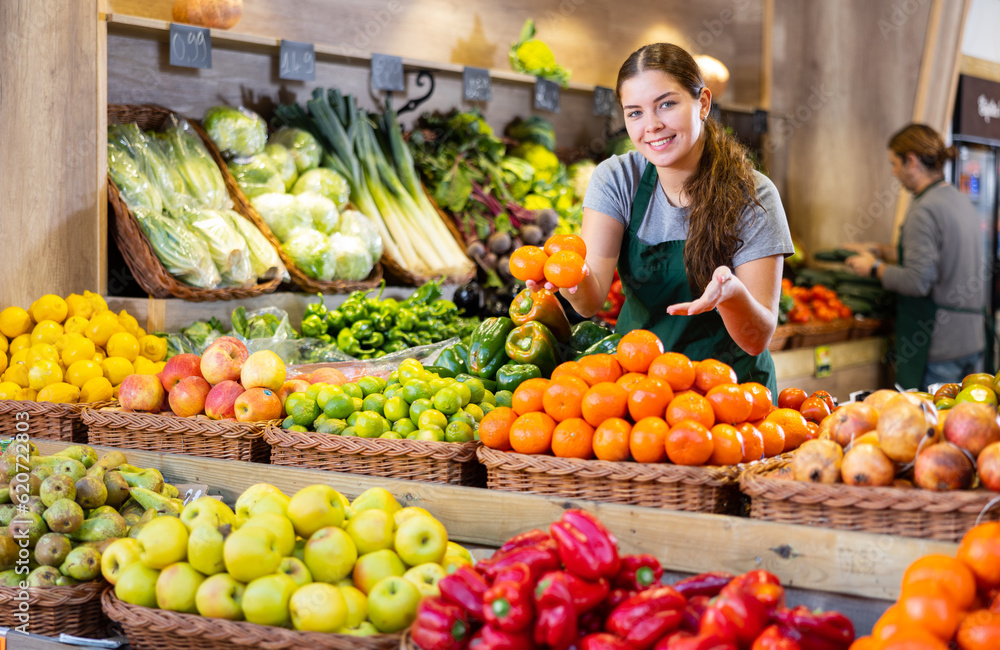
<point x="387" y="73"/>
<point x="190" y="46"/>
<point x="297" y="61"/>
<point x="604" y="101"/>
<point x="477" y="85"/>
<point x="546" y="95"/>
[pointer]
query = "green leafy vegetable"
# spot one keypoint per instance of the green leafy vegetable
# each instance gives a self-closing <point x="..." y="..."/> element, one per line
<point x="237" y="132"/>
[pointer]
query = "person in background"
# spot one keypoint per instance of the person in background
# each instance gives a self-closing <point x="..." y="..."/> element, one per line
<point x="937" y="269"/>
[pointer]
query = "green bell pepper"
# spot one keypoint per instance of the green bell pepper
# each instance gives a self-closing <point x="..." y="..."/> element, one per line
<point x="352" y="311"/>
<point x="335" y="321"/>
<point x="362" y="329"/>
<point x="383" y="322"/>
<point x="347" y="343"/>
<point x="374" y="340"/>
<point x="511" y="375"/>
<point x="488" y="384"/>
<point x="440" y="371"/>
<point x="313" y="325"/>
<point x="315" y="308"/>
<point x="406" y="320"/>
<point x="389" y="307"/>
<point x="428" y="292"/>
<point x="607" y="345"/>
<point x="533" y="343"/>
<point x="454" y="357"/>
<point x="585" y="334"/>
<point x="395" y="346"/>
<point x="486" y="351"/>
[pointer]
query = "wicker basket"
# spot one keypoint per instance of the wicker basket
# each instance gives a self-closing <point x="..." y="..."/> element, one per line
<point x="415" y="460"/>
<point x="149" y="272"/>
<point x="197" y="436"/>
<point x="813" y="334"/>
<point x="864" y="327"/>
<point x="53" y="611"/>
<point x="46" y="420"/>
<point x="155" y="629"/>
<point x="781" y="338"/>
<point x="907" y="512"/>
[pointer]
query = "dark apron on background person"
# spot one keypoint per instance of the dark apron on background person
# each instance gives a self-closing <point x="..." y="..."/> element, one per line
<point x="653" y="278"/>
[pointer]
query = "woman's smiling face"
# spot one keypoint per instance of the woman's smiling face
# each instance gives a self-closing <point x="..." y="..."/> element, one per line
<point x="663" y="120"/>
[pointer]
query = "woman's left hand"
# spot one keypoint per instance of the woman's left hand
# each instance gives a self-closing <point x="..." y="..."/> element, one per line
<point x="717" y="291"/>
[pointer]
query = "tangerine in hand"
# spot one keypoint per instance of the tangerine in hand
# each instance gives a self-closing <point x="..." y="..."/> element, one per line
<point x="528" y="263"/>
<point x="564" y="269"/>
<point x="574" y="243"/>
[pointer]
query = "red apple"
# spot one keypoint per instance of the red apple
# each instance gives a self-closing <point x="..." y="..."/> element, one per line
<point x="224" y="360"/>
<point x="263" y="369"/>
<point x="179" y="367"/>
<point x="220" y="403"/>
<point x="258" y="404"/>
<point x="292" y="386"/>
<point x="141" y="393"/>
<point x="303" y="376"/>
<point x="327" y="376"/>
<point x="188" y="396"/>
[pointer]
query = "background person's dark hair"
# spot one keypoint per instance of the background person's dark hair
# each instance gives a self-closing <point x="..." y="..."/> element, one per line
<point x="925" y="143"/>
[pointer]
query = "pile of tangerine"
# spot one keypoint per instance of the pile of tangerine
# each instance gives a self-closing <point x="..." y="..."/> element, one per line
<point x="560" y="261"/>
<point x="648" y="405"/>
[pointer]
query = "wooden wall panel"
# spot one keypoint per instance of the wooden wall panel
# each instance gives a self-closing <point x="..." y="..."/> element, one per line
<point x="50" y="223"/>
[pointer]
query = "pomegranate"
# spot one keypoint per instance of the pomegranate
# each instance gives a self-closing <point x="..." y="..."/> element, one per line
<point x="989" y="467"/>
<point x="817" y="461"/>
<point x="972" y="426"/>
<point x="851" y="421"/>
<point x="906" y="424"/>
<point x="943" y="467"/>
<point x="867" y="465"/>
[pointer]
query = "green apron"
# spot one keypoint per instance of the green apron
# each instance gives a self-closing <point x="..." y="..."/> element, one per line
<point x="653" y="278"/>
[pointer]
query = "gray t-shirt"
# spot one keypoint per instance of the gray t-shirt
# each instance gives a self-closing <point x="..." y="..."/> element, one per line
<point x="615" y="182"/>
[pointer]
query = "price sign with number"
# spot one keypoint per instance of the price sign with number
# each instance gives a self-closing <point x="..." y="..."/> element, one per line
<point x="546" y="95"/>
<point x="477" y="85"/>
<point x="297" y="61"/>
<point x="604" y="101"/>
<point x="190" y="46"/>
<point x="387" y="73"/>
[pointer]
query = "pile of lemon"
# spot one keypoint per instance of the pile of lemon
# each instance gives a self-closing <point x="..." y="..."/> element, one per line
<point x="72" y="350"/>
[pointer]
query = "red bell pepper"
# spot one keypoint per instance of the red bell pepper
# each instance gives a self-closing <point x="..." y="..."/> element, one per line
<point x="603" y="641"/>
<point x="684" y="640"/>
<point x="735" y="617"/>
<point x="764" y="586"/>
<point x="555" y="623"/>
<point x="819" y="630"/>
<point x="465" y="588"/>
<point x="586" y="547"/>
<point x="507" y="606"/>
<point x="639" y="572"/>
<point x="777" y="638"/>
<point x="490" y="638"/>
<point x="618" y="596"/>
<point x="534" y="537"/>
<point x="647" y="616"/>
<point x="695" y="609"/>
<point x="591" y="622"/>
<point x="703" y="584"/>
<point x="586" y="595"/>
<point x="518" y="572"/>
<point x="440" y="626"/>
<point x="539" y="560"/>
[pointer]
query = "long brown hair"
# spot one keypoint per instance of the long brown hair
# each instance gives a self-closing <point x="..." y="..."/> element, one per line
<point x="722" y="187"/>
<point x="925" y="143"/>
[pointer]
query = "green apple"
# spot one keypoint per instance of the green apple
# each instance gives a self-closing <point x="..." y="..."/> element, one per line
<point x="378" y="498"/>
<point x="363" y="628"/>
<point x="425" y="577"/>
<point x="348" y="510"/>
<point x="318" y="607"/>
<point x="295" y="569"/>
<point x="162" y="542"/>
<point x="372" y="530"/>
<point x="220" y="596"/>
<point x="421" y="539"/>
<point x="277" y="524"/>
<point x="330" y="554"/>
<point x="299" y="550"/>
<point x="206" y="510"/>
<point x="315" y="507"/>
<point x="205" y="544"/>
<point x="458" y="549"/>
<point x="392" y="604"/>
<point x="251" y="496"/>
<point x="450" y="562"/>
<point x="137" y="585"/>
<point x="357" y="605"/>
<point x="373" y="567"/>
<point x="276" y="503"/>
<point x="177" y="586"/>
<point x="250" y="553"/>
<point x="407" y="512"/>
<point x="265" y="600"/>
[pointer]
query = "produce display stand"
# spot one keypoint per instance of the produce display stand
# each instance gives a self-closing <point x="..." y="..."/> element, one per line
<point x="46" y="420"/>
<point x="853" y="364"/>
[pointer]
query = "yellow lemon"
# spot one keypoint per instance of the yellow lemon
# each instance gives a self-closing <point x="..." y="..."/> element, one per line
<point x="3" y="361"/>
<point x="44" y="373"/>
<point x="17" y="373"/>
<point x="78" y="306"/>
<point x="3" y="343"/>
<point x="49" y="307"/>
<point x="59" y="393"/>
<point x="129" y="322"/>
<point x="123" y="345"/>
<point x="114" y="392"/>
<point x="78" y="350"/>
<point x="81" y="372"/>
<point x="103" y="325"/>
<point x="153" y="347"/>
<point x="98" y="389"/>
<point x="19" y="358"/>
<point x="47" y="331"/>
<point x="144" y="366"/>
<point x="160" y="365"/>
<point x="22" y="342"/>
<point x="65" y="339"/>
<point x="75" y="325"/>
<point x="100" y="355"/>
<point x="14" y="321"/>
<point x="29" y="394"/>
<point x="41" y="352"/>
<point x="116" y="369"/>
<point x="9" y="390"/>
<point x="95" y="300"/>
<point x="140" y="333"/>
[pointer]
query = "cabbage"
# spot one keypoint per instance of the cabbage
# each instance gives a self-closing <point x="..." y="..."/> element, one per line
<point x="264" y="260"/>
<point x="305" y="149"/>
<point x="258" y="175"/>
<point x="285" y="162"/>
<point x="187" y="153"/>
<point x="326" y="182"/>
<point x="310" y="252"/>
<point x="135" y="188"/>
<point x="353" y="260"/>
<point x="237" y="132"/>
<point x="183" y="254"/>
<point x="282" y="214"/>
<point x="322" y="212"/>
<point x="356" y="224"/>
<point x="227" y="247"/>
<point x="153" y="163"/>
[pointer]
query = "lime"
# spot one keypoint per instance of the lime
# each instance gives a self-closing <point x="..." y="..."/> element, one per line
<point x="432" y="417"/>
<point x="486" y="407"/>
<point x="476" y="389"/>
<point x="339" y="405"/>
<point x="391" y="435"/>
<point x="320" y="419"/>
<point x="299" y="428"/>
<point x="396" y="408"/>
<point x="419" y="406"/>
<point x="415" y="390"/>
<point x="332" y="426"/>
<point x="411" y="365"/>
<point x="488" y="398"/>
<point x="977" y="393"/>
<point x="287" y="423"/>
<point x="433" y="434"/>
<point x="462" y="416"/>
<point x="392" y="390"/>
<point x="393" y="378"/>
<point x="349" y="432"/>
<point x="358" y="403"/>
<point x="475" y="411"/>
<point x="368" y="425"/>
<point x="464" y="392"/>
<point x="406" y="376"/>
<point x="353" y="418"/>
<point x="292" y="400"/>
<point x="374" y="402"/>
<point x="386" y="426"/>
<point x="353" y="390"/>
<point x="325" y="393"/>
<point x="404" y="426"/>
<point x="437" y="384"/>
<point x="304" y="412"/>
<point x="458" y="432"/>
<point x="370" y="385"/>
<point x="313" y="391"/>
<point x="411" y="436"/>
<point x="503" y="398"/>
<point x="447" y="400"/>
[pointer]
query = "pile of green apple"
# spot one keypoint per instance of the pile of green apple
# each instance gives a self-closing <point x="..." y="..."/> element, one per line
<point x="71" y="506"/>
<point x="413" y="403"/>
<point x="313" y="562"/>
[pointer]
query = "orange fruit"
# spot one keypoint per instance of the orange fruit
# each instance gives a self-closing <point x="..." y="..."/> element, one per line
<point x="563" y="399"/>
<point x="604" y="401"/>
<point x="573" y="438"/>
<point x="793" y="424"/>
<point x="712" y="372"/>
<point x="637" y="350"/>
<point x="953" y="576"/>
<point x="980" y="630"/>
<point x="774" y="437"/>
<point x="865" y="643"/>
<point x="528" y="396"/>
<point x="727" y="445"/>
<point x="564" y="269"/>
<point x="531" y="433"/>
<point x="598" y="368"/>
<point x="494" y="428"/>
<point x="731" y="403"/>
<point x="574" y="243"/>
<point x="753" y="441"/>
<point x="568" y="369"/>
<point x="928" y="605"/>
<point x="629" y="379"/>
<point x="673" y="368"/>
<point x="649" y="398"/>
<point x="690" y="406"/>
<point x="528" y="263"/>
<point x="761" y="396"/>
<point x="647" y="441"/>
<point x="889" y="623"/>
<point x="912" y="638"/>
<point x="980" y="551"/>
<point x="611" y="439"/>
<point x="791" y="398"/>
<point x="689" y="443"/>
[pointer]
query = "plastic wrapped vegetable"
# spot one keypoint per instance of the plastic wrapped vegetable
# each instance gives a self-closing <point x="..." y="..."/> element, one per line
<point x="183" y="254"/>
<point x="153" y="163"/>
<point x="237" y="132"/>
<point x="353" y="260"/>
<point x="309" y="250"/>
<point x="137" y="191"/>
<point x="305" y="149"/>
<point x="282" y="214"/>
<point x="326" y="182"/>
<point x="227" y="247"/>
<point x="356" y="224"/>
<point x="187" y="153"/>
<point x="264" y="260"/>
<point x="322" y="211"/>
<point x="258" y="175"/>
<point x="532" y="56"/>
<point x="282" y="157"/>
